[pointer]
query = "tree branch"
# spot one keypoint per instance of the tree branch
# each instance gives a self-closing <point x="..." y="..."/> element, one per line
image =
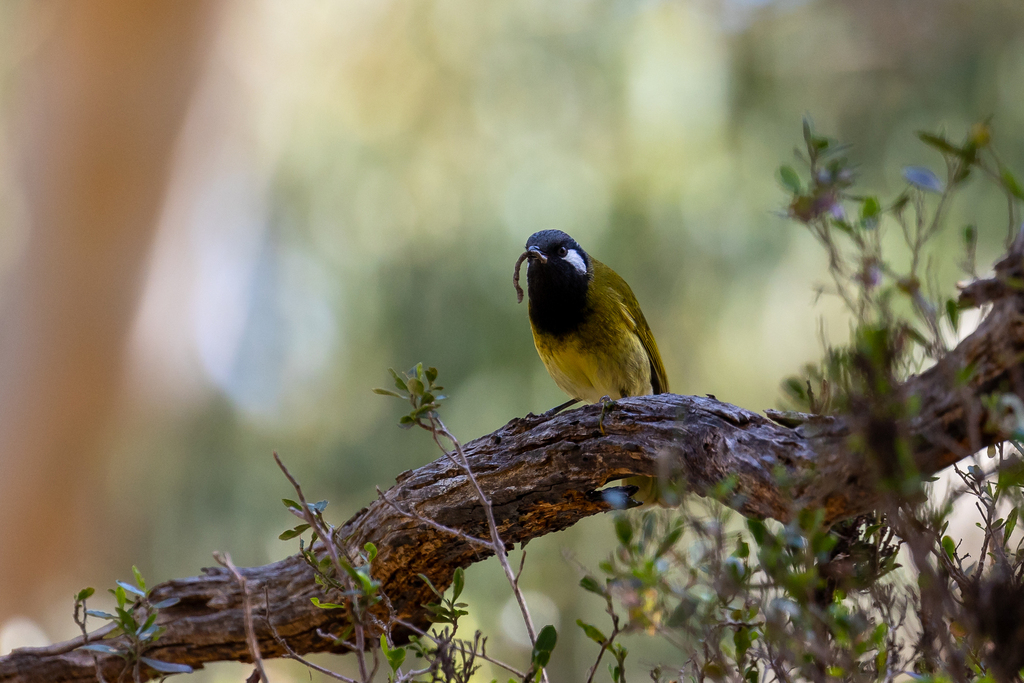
<point x="541" y="475"/>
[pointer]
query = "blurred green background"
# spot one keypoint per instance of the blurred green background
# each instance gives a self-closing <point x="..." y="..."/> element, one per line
<point x="354" y="181"/>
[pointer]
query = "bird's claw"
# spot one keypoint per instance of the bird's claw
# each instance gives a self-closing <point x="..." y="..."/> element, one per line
<point x="606" y="405"/>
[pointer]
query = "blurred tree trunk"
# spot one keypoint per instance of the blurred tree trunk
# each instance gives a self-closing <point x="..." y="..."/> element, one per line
<point x="99" y="108"/>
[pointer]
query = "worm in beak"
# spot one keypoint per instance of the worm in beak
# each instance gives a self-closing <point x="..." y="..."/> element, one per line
<point x="532" y="252"/>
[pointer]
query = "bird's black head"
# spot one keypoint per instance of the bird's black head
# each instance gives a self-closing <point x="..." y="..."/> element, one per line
<point x="558" y="276"/>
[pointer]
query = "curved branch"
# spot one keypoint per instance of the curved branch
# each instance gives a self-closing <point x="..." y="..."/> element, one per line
<point x="541" y="475"/>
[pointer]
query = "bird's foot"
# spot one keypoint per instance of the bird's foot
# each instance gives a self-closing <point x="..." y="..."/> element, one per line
<point x="607" y="404"/>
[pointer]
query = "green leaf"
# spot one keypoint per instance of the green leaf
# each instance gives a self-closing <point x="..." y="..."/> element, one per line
<point x="387" y="392"/>
<point x="84" y="594"/>
<point x="1011" y="183"/>
<point x="789" y="179"/>
<point x="458" y="583"/>
<point x="148" y="629"/>
<point x="758" y="530"/>
<point x="589" y="583"/>
<point x="970" y="235"/>
<point x="399" y="382"/>
<point x="415" y="386"/>
<point x="371" y="552"/>
<point x="796" y="388"/>
<point x="368" y="585"/>
<point x="869" y="211"/>
<point x="166" y="667"/>
<point x="139" y="581"/>
<point x="396" y="658"/>
<point x="741" y="639"/>
<point x="953" y="311"/>
<point x="126" y="620"/>
<point x="326" y="605"/>
<point x="938" y="142"/>
<point x="438" y="614"/>
<point x="669" y="542"/>
<point x="546" y="639"/>
<point x="292" y="533"/>
<point x="149" y="622"/>
<point x="431" y="375"/>
<point x="431" y="585"/>
<point x="291" y="504"/>
<point x="949" y="546"/>
<point x="1011" y="524"/>
<point x="592" y="632"/>
<point x="623" y="529"/>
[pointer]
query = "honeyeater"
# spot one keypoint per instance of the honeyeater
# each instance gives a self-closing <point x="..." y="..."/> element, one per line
<point x="587" y="325"/>
<point x="589" y="330"/>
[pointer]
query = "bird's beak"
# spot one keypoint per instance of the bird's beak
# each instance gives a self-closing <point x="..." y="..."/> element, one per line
<point x="535" y="253"/>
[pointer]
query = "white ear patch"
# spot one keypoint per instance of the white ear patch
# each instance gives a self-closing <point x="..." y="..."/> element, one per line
<point x="576" y="260"/>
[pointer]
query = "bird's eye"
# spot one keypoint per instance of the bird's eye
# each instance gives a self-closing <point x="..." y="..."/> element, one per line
<point x="562" y="251"/>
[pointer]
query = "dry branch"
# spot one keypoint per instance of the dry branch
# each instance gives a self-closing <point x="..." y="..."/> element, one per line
<point x="540" y="476"/>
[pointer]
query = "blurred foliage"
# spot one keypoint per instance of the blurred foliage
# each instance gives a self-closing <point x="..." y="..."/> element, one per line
<point x="813" y="602"/>
<point x="902" y="317"/>
<point x="804" y="602"/>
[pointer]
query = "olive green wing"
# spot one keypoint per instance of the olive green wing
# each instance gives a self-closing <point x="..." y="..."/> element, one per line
<point x="649" y="489"/>
<point x="659" y="382"/>
<point x="636" y="322"/>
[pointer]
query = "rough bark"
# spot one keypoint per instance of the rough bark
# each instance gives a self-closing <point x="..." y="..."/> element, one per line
<point x="541" y="475"/>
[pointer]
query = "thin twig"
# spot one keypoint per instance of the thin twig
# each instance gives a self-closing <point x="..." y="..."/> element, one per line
<point x="327" y="539"/>
<point x="438" y="427"/>
<point x="292" y="654"/>
<point x="412" y="514"/>
<point x="224" y="559"/>
<point x="522" y="564"/>
<point x="85" y="638"/>
<point x="458" y="645"/>
<point x="608" y="641"/>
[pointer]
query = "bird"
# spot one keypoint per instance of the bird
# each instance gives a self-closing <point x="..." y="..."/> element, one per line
<point x="587" y="325"/>
<point x="588" y="328"/>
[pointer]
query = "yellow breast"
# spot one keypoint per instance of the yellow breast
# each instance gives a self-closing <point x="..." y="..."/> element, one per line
<point x="590" y="363"/>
